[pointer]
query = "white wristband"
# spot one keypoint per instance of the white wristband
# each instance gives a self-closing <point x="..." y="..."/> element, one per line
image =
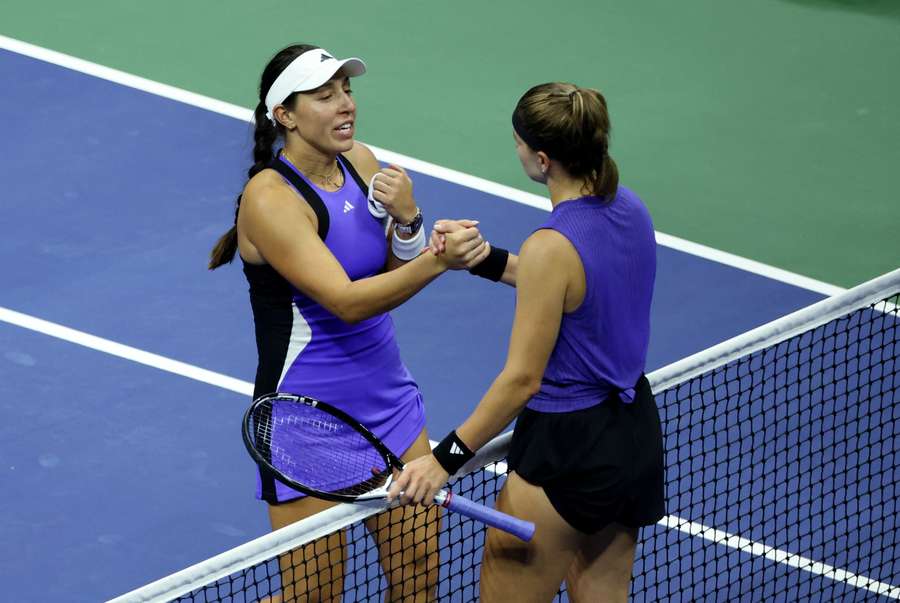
<point x="408" y="249"/>
<point x="375" y="208"/>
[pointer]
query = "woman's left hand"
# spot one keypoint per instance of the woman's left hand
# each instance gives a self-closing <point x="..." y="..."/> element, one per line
<point x="419" y="482"/>
<point x="438" y="241"/>
<point x="393" y="189"/>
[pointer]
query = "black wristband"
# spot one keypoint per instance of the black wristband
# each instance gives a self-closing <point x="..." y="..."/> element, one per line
<point x="493" y="266"/>
<point x="452" y="453"/>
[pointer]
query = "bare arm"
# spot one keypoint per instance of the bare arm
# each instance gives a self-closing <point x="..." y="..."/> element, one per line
<point x="283" y="232"/>
<point x="443" y="227"/>
<point x="548" y="265"/>
<point x="512" y="267"/>
<point x="540" y="300"/>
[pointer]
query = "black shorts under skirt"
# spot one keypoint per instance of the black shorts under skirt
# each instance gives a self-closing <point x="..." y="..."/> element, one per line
<point x="598" y="465"/>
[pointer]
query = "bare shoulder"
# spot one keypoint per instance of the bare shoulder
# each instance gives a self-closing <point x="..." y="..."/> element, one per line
<point x="363" y="159"/>
<point x="550" y="268"/>
<point x="267" y="193"/>
<point x="547" y="248"/>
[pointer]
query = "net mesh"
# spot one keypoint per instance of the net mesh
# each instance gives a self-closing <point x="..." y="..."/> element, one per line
<point x="781" y="478"/>
<point x="461" y="541"/>
<point x="781" y="485"/>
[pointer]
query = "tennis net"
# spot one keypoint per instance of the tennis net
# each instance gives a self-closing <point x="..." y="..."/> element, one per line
<point x="781" y="453"/>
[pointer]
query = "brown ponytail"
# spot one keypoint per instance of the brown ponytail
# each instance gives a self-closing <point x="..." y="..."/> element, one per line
<point x="571" y="125"/>
<point x="225" y="249"/>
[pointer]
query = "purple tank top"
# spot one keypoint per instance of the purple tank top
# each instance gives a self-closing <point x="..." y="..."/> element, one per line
<point x="602" y="346"/>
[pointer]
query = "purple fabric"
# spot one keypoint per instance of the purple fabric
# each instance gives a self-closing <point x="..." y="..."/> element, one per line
<point x="602" y="346"/>
<point x="356" y="368"/>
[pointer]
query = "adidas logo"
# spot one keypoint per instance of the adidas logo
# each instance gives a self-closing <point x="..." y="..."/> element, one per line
<point x="455" y="449"/>
<point x="347" y="206"/>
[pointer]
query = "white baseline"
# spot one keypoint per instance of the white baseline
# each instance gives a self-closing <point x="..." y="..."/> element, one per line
<point x="424" y="167"/>
<point x="474" y="182"/>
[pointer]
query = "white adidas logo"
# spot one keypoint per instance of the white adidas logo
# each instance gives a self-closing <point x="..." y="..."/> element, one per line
<point x="455" y="449"/>
<point x="347" y="206"/>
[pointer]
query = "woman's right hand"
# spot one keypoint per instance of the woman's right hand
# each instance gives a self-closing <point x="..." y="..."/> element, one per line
<point x="462" y="246"/>
<point x="436" y="243"/>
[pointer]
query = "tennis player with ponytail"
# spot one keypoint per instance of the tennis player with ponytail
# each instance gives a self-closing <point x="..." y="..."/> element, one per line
<point x="586" y="457"/>
<point x="324" y="267"/>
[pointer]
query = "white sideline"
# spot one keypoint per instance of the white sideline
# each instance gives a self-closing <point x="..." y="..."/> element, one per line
<point x="782" y="328"/>
<point x="314" y="527"/>
<point x="424" y="167"/>
<point x="297" y="534"/>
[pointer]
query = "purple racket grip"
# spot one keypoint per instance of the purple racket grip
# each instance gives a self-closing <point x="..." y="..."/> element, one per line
<point x="519" y="528"/>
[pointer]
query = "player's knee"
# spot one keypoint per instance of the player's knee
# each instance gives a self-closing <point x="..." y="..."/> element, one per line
<point x="613" y="593"/>
<point x="601" y="584"/>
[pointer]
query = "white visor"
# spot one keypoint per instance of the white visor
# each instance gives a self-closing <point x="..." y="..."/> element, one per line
<point x="307" y="72"/>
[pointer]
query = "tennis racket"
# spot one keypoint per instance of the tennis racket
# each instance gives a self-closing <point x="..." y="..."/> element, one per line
<point x="323" y="452"/>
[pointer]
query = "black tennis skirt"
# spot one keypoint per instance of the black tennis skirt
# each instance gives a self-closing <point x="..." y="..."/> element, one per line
<point x="598" y="465"/>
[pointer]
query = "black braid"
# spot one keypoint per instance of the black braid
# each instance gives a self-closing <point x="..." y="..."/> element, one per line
<point x="264" y="136"/>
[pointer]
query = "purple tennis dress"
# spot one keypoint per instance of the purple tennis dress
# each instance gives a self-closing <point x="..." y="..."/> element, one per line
<point x="602" y="346"/>
<point x="305" y="349"/>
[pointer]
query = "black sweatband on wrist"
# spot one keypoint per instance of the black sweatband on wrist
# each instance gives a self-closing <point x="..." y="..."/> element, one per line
<point x="452" y="453"/>
<point x="493" y="266"/>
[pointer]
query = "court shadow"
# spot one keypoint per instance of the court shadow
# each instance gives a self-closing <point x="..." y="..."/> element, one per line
<point x="877" y="8"/>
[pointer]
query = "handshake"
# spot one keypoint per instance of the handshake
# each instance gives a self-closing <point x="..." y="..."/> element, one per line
<point x="458" y="243"/>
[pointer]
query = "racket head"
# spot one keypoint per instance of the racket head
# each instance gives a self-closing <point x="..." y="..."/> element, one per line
<point x="317" y="449"/>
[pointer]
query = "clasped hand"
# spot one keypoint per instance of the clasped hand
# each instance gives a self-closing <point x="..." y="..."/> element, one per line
<point x="458" y="243"/>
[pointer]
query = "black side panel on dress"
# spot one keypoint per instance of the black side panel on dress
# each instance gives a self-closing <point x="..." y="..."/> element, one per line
<point x="355" y="175"/>
<point x="311" y="196"/>
<point x="273" y="315"/>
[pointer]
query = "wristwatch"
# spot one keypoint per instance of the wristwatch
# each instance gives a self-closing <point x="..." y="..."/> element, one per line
<point x="412" y="227"/>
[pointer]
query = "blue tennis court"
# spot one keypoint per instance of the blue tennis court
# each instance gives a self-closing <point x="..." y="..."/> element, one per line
<point x="117" y="472"/>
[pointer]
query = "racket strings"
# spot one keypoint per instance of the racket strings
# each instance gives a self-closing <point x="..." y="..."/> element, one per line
<point x="317" y="450"/>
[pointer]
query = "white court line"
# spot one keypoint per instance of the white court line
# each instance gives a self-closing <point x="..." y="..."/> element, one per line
<point x="424" y="167"/>
<point x="123" y="351"/>
<point x="778" y="556"/>
<point x="246" y="388"/>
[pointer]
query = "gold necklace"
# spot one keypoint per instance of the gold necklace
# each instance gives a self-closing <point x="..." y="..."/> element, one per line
<point x="329" y="179"/>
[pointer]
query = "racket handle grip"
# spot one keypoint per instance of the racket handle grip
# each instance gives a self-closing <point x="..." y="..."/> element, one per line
<point x="519" y="528"/>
